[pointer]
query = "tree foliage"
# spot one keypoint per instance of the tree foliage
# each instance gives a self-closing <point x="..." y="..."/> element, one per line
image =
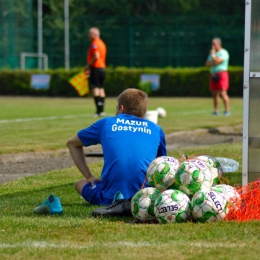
<point x="144" y="7"/>
<point x="129" y="27"/>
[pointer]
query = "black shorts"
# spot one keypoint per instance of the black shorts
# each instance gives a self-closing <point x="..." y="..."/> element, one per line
<point x="97" y="78"/>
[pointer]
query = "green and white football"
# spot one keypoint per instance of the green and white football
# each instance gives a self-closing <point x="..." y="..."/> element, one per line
<point x="214" y="167"/>
<point x="161" y="172"/>
<point x="191" y="177"/>
<point x="142" y="203"/>
<point x="208" y="206"/>
<point x="230" y="194"/>
<point x="172" y="206"/>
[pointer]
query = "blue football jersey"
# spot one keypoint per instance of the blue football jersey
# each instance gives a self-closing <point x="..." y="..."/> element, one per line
<point x="129" y="145"/>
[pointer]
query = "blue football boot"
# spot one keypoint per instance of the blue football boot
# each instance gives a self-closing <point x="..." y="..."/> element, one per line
<point x="51" y="205"/>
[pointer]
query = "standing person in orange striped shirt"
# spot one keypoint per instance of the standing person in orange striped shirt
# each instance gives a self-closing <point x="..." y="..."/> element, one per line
<point x="95" y="69"/>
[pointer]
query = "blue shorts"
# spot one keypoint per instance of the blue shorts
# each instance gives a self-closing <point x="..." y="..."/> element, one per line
<point x="93" y="194"/>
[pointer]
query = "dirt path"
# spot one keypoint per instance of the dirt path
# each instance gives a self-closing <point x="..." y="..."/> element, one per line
<point x="13" y="166"/>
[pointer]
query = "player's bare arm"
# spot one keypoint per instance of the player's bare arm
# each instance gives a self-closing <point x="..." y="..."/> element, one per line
<point x="96" y="56"/>
<point x="77" y="153"/>
<point x="208" y="63"/>
<point x="90" y="64"/>
<point x="216" y="60"/>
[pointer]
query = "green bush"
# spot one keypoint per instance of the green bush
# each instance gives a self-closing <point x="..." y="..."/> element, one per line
<point x="173" y="82"/>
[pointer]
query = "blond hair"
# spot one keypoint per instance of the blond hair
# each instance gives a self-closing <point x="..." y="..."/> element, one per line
<point x="135" y="102"/>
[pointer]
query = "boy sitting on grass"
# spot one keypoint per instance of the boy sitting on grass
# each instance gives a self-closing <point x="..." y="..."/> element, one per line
<point x="129" y="143"/>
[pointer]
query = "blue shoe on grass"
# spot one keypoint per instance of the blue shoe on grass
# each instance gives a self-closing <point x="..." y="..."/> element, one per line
<point x="226" y="113"/>
<point x="51" y="205"/>
<point x="215" y="113"/>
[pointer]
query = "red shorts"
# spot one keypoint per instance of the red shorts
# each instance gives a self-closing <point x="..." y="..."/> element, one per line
<point x="222" y="83"/>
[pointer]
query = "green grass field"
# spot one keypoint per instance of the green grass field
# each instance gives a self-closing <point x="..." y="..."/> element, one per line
<point x="75" y="234"/>
<point x="37" y="124"/>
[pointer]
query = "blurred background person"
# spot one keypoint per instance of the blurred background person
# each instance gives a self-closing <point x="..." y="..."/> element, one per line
<point x="95" y="69"/>
<point x="217" y="61"/>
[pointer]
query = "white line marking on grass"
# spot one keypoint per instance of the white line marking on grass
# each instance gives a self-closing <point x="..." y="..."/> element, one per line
<point x="43" y="244"/>
<point x="217" y="244"/>
<point x="128" y="244"/>
<point x="122" y="244"/>
<point x="18" y="120"/>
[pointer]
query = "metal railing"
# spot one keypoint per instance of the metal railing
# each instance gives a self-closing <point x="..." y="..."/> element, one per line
<point x="39" y="57"/>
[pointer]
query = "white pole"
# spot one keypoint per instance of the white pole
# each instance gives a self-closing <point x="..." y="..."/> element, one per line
<point x="66" y="40"/>
<point x="247" y="43"/>
<point x="40" y="34"/>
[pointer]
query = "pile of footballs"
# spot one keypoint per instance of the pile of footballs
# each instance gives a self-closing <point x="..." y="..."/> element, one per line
<point x="186" y="189"/>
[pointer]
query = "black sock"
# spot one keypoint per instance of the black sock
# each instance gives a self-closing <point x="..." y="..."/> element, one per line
<point x="96" y="103"/>
<point x="102" y="104"/>
<point x="99" y="104"/>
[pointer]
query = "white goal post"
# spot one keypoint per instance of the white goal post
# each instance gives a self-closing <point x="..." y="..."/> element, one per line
<point x="43" y="56"/>
<point x="251" y="94"/>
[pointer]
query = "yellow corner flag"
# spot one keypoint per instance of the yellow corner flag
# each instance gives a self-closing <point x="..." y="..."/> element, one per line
<point x="80" y="83"/>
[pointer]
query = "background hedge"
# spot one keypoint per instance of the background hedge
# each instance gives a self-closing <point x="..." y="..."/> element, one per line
<point x="173" y="82"/>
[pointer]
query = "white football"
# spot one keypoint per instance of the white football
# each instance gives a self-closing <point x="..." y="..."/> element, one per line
<point x="161" y="172"/>
<point x="208" y="206"/>
<point x="230" y="194"/>
<point x="161" y="112"/>
<point x="142" y="203"/>
<point x="172" y="206"/>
